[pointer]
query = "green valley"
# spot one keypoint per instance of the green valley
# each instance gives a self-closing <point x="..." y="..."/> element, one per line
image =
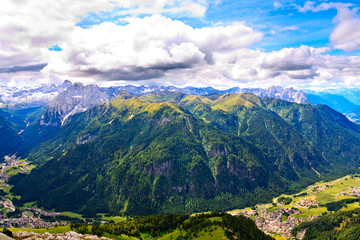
<point x="331" y="207"/>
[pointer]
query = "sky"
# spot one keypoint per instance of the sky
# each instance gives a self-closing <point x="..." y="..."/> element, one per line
<point x="218" y="43"/>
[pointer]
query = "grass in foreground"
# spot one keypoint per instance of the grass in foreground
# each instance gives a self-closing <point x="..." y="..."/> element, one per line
<point x="60" y="229"/>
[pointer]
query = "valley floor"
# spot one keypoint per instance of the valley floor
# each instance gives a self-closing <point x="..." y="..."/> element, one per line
<point x="277" y="218"/>
<point x="287" y="211"/>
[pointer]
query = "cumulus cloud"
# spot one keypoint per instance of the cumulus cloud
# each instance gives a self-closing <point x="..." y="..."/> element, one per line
<point x="162" y="49"/>
<point x="346" y="35"/>
<point x="291" y="59"/>
<point x="144" y="48"/>
<point x="303" y="67"/>
<point x="29" y="28"/>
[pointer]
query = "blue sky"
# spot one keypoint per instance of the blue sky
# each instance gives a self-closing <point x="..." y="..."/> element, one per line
<point x="283" y="24"/>
<point x="220" y="43"/>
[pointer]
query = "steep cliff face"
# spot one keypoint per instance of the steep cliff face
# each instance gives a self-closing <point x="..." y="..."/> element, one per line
<point x="75" y="99"/>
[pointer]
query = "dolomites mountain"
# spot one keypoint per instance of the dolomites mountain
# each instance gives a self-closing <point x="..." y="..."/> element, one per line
<point x="31" y="96"/>
<point x="287" y="94"/>
<point x="64" y="100"/>
<point x="75" y="99"/>
<point x="42" y="95"/>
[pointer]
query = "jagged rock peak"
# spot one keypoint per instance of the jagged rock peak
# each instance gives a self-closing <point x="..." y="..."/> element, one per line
<point x="67" y="83"/>
<point x="75" y="99"/>
<point x="288" y="94"/>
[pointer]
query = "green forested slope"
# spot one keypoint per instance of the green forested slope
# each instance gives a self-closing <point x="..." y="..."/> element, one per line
<point x="172" y="152"/>
<point x="336" y="226"/>
<point x="180" y="227"/>
<point x="301" y="139"/>
<point x="146" y="158"/>
<point x="9" y="138"/>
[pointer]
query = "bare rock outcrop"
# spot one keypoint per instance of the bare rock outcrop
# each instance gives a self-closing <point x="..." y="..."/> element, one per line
<point x="22" y="235"/>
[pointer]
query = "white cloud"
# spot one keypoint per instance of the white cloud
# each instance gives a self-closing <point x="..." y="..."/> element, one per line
<point x="278" y="5"/>
<point x="162" y="49"/>
<point x="29" y="28"/>
<point x="346" y="35"/>
<point x="300" y="67"/>
<point x="310" y="6"/>
<point x="144" y="48"/>
<point x="197" y="9"/>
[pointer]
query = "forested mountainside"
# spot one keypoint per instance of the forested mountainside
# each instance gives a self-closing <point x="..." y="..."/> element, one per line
<point x="342" y="225"/>
<point x="171" y="152"/>
<point x="287" y="132"/>
<point x="9" y="140"/>
<point x="180" y="227"/>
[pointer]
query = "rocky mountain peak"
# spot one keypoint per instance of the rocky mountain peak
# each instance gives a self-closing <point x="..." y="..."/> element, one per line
<point x="75" y="99"/>
<point x="287" y="94"/>
<point x="67" y="83"/>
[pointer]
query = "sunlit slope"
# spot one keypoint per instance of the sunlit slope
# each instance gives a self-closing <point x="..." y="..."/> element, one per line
<point x="301" y="139"/>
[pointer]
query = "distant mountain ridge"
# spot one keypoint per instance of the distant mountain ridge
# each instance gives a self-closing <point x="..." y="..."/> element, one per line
<point x="288" y="94"/>
<point x="345" y="101"/>
<point x="43" y="94"/>
<point x="31" y="96"/>
<point x="65" y="100"/>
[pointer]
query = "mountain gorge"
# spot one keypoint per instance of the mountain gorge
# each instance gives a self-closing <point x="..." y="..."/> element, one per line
<point x="172" y="152"/>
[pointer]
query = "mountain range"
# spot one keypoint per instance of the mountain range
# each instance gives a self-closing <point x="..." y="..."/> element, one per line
<point x="36" y="96"/>
<point x="345" y="101"/>
<point x="169" y="151"/>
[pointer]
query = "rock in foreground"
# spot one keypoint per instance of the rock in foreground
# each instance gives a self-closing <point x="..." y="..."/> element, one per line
<point x="59" y="236"/>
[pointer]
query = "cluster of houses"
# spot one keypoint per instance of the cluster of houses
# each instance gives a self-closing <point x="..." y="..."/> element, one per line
<point x="22" y="219"/>
<point x="321" y="188"/>
<point x="39" y="212"/>
<point x="249" y="214"/>
<point x="280" y="222"/>
<point x="30" y="218"/>
<point x="12" y="162"/>
<point x="306" y="203"/>
<point x="353" y="191"/>
<point x="273" y="222"/>
<point x="26" y="222"/>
